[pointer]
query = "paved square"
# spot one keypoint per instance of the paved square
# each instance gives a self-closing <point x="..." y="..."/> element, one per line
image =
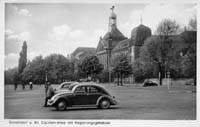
<point x="136" y="102"/>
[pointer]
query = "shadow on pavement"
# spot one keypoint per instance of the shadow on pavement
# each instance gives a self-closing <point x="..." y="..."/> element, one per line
<point x="84" y="108"/>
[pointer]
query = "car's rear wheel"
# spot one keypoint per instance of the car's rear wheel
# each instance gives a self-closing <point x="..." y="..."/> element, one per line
<point x="104" y="104"/>
<point x="61" y="105"/>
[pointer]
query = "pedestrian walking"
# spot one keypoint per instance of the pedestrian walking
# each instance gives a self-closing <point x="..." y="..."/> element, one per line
<point x="31" y="85"/>
<point x="23" y="86"/>
<point x="15" y="84"/>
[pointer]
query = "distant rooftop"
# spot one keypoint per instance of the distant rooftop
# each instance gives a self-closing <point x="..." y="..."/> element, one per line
<point x="83" y="51"/>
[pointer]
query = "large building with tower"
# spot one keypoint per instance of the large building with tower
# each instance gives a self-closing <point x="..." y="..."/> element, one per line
<point x="114" y="43"/>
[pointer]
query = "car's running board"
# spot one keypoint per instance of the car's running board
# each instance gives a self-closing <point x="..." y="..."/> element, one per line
<point x="84" y="105"/>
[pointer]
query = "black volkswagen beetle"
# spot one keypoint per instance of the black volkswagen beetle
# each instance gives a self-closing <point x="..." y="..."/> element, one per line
<point x="82" y="95"/>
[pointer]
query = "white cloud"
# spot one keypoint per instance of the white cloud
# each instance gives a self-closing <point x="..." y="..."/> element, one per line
<point x="32" y="54"/>
<point x="9" y="32"/>
<point x="76" y="34"/>
<point x="64" y="40"/>
<point x="59" y="32"/>
<point x="24" y="36"/>
<point x="95" y="36"/>
<point x="24" y="12"/>
<point x="19" y="37"/>
<point x="11" y="60"/>
<point x="64" y="32"/>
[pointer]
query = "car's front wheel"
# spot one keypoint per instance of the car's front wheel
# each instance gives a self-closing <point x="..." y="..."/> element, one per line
<point x="104" y="104"/>
<point x="61" y="105"/>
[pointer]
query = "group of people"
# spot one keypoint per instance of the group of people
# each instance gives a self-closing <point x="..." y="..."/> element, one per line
<point x="23" y="86"/>
<point x="49" y="91"/>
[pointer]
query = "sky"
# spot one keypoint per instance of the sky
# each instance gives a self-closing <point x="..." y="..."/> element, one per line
<point x="62" y="27"/>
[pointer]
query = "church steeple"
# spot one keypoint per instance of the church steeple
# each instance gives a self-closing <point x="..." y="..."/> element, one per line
<point x="112" y="19"/>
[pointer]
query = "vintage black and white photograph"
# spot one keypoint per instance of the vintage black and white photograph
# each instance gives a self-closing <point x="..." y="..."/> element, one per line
<point x="128" y="61"/>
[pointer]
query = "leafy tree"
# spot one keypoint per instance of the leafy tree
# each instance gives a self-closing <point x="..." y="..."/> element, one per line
<point x="91" y="66"/>
<point x="22" y="58"/>
<point x="122" y="68"/>
<point x="165" y="29"/>
<point x="10" y="75"/>
<point x="57" y="67"/>
<point x="151" y="62"/>
<point x="104" y="76"/>
<point x="189" y="54"/>
<point x="34" y="71"/>
<point x="143" y="69"/>
<point x="22" y="62"/>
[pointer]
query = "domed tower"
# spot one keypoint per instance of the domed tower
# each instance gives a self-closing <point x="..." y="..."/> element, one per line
<point x="112" y="20"/>
<point x="138" y="36"/>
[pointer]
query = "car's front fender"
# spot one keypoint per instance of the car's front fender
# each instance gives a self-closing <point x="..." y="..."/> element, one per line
<point x="54" y="100"/>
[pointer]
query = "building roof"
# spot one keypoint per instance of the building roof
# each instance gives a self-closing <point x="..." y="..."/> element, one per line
<point x="122" y="44"/>
<point x="141" y="27"/>
<point x="82" y="52"/>
<point x="139" y="34"/>
<point x="114" y="34"/>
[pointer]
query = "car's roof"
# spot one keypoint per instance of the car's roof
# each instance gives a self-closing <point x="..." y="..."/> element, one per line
<point x="65" y="82"/>
<point x="68" y="82"/>
<point x="89" y="84"/>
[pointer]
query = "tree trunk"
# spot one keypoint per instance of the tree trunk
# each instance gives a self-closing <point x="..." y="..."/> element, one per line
<point x="118" y="79"/>
<point x="160" y="74"/>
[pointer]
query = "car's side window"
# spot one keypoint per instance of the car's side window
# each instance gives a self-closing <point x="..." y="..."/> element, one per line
<point x="94" y="90"/>
<point x="65" y="86"/>
<point x="80" y="89"/>
<point x="88" y="89"/>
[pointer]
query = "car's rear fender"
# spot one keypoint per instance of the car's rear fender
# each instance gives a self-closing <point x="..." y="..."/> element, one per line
<point x="105" y="97"/>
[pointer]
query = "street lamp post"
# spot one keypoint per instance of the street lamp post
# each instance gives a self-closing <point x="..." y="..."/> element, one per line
<point x="168" y="80"/>
<point x="45" y="85"/>
<point x="108" y="49"/>
<point x="46" y="78"/>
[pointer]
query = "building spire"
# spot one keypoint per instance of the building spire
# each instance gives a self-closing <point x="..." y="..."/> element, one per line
<point x="112" y="19"/>
<point x="140" y="18"/>
<point x="112" y="8"/>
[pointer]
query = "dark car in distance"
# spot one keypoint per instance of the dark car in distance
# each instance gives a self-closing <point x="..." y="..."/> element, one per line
<point x="150" y="82"/>
<point x="82" y="95"/>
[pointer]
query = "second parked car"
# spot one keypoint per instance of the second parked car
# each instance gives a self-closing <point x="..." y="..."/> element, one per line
<point x="63" y="87"/>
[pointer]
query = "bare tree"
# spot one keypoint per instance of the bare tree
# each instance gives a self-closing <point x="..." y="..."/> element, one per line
<point x="193" y="23"/>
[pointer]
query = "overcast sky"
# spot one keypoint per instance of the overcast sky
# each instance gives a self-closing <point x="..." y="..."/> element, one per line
<point x="61" y="28"/>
